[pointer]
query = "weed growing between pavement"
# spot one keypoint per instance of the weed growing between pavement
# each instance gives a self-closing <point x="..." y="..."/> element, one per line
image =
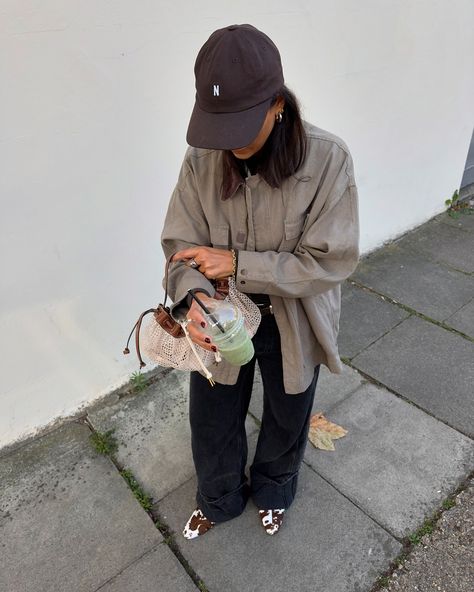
<point x="143" y="498"/>
<point x="138" y="382"/>
<point x="448" y="503"/>
<point x="456" y="207"/>
<point x="104" y="443"/>
<point x="426" y="528"/>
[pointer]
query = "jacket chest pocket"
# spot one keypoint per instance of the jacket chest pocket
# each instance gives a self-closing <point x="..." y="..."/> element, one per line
<point x="292" y="230"/>
<point x="219" y="234"/>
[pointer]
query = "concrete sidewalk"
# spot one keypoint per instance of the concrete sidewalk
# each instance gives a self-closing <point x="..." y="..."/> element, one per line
<point x="69" y="520"/>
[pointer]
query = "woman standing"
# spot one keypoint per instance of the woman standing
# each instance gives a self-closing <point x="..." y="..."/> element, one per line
<point x="269" y="199"/>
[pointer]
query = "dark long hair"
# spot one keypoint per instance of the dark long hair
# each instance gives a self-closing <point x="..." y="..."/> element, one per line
<point x="285" y="149"/>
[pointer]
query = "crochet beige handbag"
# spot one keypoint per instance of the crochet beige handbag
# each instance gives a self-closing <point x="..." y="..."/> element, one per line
<point x="166" y="341"/>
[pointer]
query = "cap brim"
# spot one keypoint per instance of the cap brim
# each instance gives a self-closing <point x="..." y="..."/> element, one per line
<point x="226" y="131"/>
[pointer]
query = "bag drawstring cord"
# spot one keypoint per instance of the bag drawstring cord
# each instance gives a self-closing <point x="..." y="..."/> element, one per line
<point x="136" y="328"/>
<point x="193" y="348"/>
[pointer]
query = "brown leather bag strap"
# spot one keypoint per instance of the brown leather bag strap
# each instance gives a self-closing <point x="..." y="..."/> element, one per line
<point x="222" y="286"/>
<point x="137" y="335"/>
<point x="136" y="328"/>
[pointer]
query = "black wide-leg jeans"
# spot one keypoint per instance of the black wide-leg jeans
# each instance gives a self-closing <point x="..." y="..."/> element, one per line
<point x="219" y="440"/>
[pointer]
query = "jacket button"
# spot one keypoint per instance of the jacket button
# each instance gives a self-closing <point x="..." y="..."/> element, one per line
<point x="242" y="281"/>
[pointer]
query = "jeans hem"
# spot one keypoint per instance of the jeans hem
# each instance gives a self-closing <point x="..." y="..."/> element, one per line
<point x="226" y="507"/>
<point x="269" y="494"/>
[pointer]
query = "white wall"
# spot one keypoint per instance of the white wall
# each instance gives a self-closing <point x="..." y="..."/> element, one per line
<point x="94" y="104"/>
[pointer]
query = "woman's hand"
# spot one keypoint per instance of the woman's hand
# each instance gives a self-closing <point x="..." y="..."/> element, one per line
<point x="195" y="314"/>
<point x="213" y="263"/>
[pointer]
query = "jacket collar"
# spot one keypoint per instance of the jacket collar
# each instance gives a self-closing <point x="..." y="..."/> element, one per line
<point x="238" y="172"/>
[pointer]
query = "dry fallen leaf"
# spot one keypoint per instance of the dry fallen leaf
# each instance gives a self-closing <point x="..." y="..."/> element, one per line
<point x="322" y="432"/>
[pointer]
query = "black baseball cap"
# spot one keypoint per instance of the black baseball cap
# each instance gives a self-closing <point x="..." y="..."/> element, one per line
<point x="238" y="71"/>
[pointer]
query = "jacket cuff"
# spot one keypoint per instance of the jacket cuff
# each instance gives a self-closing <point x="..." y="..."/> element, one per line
<point x="193" y="282"/>
<point x="252" y="274"/>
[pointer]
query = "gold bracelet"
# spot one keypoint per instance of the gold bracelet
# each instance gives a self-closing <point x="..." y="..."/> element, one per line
<point x="234" y="263"/>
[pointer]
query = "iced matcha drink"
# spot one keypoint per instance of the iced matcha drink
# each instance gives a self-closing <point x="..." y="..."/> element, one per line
<point x="226" y="325"/>
<point x="235" y="344"/>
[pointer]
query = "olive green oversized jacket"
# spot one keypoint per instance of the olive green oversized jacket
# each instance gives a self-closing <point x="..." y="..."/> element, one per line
<point x="297" y="243"/>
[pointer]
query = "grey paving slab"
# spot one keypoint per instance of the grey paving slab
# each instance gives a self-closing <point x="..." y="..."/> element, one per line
<point x="156" y="570"/>
<point x="444" y="243"/>
<point x="428" y="365"/>
<point x="464" y="222"/>
<point x="331" y="389"/>
<point x="325" y="543"/>
<point x="68" y="520"/>
<point x="463" y="319"/>
<point x="396" y="462"/>
<point x="153" y="432"/>
<point x="430" y="288"/>
<point x="365" y="317"/>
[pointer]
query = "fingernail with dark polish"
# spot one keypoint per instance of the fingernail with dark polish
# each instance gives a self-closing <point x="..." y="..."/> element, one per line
<point x="214" y="348"/>
<point x="207" y="340"/>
